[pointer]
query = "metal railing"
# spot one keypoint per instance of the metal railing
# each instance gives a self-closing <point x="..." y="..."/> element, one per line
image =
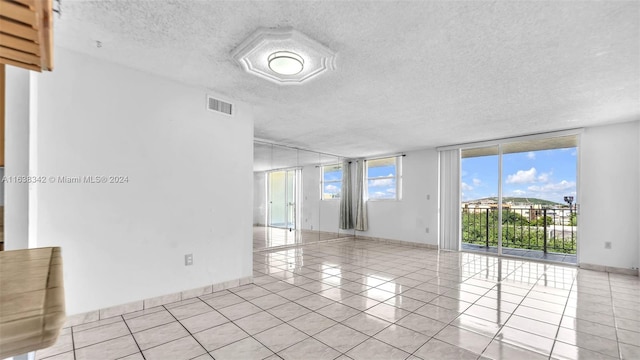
<point x="546" y="229"/>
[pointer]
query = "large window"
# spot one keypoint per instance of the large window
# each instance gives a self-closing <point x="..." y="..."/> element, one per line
<point x="521" y="195"/>
<point x="331" y="181"/>
<point x="384" y="178"/>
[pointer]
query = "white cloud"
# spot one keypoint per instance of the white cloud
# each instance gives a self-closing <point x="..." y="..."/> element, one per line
<point x="544" y="177"/>
<point x="381" y="182"/>
<point x="552" y="191"/>
<point x="522" y="176"/>
<point x="518" y="192"/>
<point x="476" y="182"/>
<point x="331" y="189"/>
<point x="562" y="185"/>
<point x="531" y="155"/>
<point x="391" y="191"/>
<point x="377" y="195"/>
<point x="466" y="187"/>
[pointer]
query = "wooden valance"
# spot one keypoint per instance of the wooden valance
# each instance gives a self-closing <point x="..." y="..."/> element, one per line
<point x="26" y="34"/>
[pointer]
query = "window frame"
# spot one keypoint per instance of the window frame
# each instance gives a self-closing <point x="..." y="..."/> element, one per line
<point x="397" y="177"/>
<point x="323" y="182"/>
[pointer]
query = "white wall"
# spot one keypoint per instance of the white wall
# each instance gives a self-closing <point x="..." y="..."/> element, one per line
<point x="310" y="198"/>
<point x="407" y="219"/>
<point x="188" y="173"/>
<point x="609" y="193"/>
<point x="259" y="199"/>
<point x="17" y="118"/>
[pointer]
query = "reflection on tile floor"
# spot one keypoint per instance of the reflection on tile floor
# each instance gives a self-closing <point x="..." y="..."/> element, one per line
<point x="267" y="237"/>
<point x="526" y="253"/>
<point x="356" y="299"/>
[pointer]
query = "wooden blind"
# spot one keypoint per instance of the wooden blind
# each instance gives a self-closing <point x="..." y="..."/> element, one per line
<point x="26" y="34"/>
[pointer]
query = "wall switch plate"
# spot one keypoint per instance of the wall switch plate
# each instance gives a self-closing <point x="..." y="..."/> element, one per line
<point x="607" y="244"/>
<point x="188" y="259"/>
<point x="427" y="230"/>
<point x="428" y="197"/>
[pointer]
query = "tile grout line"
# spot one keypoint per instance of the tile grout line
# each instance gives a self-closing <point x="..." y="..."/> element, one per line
<point x="233" y="322"/>
<point x="134" y="338"/>
<point x="73" y="343"/>
<point x="615" y="321"/>
<point x="311" y="311"/>
<point x="99" y="342"/>
<point x="531" y="288"/>
<point x="501" y="326"/>
<point x="339" y="322"/>
<point x="555" y="339"/>
<point x="185" y="328"/>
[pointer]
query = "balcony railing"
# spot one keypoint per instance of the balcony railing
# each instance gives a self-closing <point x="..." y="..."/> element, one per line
<point x="548" y="229"/>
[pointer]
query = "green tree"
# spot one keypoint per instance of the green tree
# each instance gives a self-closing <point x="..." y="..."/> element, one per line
<point x="511" y="217"/>
<point x="541" y="221"/>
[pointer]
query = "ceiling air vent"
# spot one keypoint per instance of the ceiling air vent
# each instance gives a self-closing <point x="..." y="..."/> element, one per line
<point x="217" y="105"/>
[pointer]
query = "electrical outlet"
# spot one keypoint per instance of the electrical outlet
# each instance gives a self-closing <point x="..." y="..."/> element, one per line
<point x="188" y="260"/>
<point x="607" y="244"/>
<point x="427" y="231"/>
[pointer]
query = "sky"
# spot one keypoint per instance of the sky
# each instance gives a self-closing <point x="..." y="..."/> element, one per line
<point x="543" y="174"/>
<point x="381" y="183"/>
<point x="332" y="181"/>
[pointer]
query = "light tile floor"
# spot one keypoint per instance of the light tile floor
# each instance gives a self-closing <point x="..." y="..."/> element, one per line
<point x="356" y="299"/>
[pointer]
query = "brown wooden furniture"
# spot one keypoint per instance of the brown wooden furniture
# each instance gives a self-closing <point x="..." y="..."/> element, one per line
<point x="31" y="300"/>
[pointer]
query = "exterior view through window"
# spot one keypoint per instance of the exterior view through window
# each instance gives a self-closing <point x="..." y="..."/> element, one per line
<point x="538" y="183"/>
<point x="331" y="181"/>
<point x="383" y="178"/>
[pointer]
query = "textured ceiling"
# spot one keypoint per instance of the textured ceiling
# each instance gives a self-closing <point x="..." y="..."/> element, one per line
<point x="409" y="75"/>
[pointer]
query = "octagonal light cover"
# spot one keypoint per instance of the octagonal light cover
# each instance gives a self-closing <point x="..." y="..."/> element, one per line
<point x="255" y="53"/>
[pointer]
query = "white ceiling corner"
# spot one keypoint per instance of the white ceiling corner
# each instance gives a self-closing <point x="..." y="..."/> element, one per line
<point x="410" y="75"/>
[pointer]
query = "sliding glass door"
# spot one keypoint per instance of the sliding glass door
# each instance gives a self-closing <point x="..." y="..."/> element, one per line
<point x="480" y="198"/>
<point x="518" y="198"/>
<point x="282" y="198"/>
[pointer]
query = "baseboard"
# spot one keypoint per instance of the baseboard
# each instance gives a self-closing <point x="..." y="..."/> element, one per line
<point x="122" y="309"/>
<point x="310" y="243"/>
<point x="609" y="269"/>
<point x="397" y="242"/>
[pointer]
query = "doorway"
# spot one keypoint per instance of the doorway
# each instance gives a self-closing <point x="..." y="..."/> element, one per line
<point x="282" y="198"/>
<point x="519" y="199"/>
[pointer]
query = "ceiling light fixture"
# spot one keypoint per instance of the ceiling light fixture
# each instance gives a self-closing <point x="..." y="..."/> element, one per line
<point x="284" y="56"/>
<point x="285" y="63"/>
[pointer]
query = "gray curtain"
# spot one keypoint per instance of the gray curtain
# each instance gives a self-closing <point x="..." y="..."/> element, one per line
<point x="450" y="199"/>
<point x="362" y="223"/>
<point x="346" y="202"/>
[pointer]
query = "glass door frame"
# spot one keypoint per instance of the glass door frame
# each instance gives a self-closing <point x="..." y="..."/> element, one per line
<point x="292" y="188"/>
<point x="499" y="144"/>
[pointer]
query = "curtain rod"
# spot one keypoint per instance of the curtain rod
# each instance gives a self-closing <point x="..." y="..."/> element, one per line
<point x="374" y="158"/>
<point x="385" y="156"/>
<point x="510" y="139"/>
<point x="269" y="142"/>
